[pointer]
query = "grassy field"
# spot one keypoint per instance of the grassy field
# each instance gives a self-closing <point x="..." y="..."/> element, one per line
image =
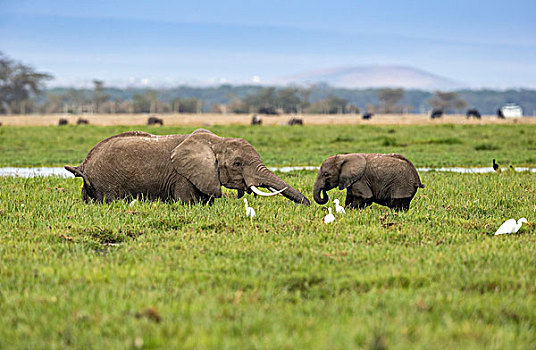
<point x="164" y="275"/>
<point x="425" y="145"/>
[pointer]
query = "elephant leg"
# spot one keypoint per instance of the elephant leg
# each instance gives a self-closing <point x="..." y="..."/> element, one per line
<point x="360" y="203"/>
<point x="85" y="195"/>
<point x="359" y="196"/>
<point x="91" y="195"/>
<point x="399" y="204"/>
<point x="356" y="202"/>
<point x="349" y="199"/>
<point x="187" y="193"/>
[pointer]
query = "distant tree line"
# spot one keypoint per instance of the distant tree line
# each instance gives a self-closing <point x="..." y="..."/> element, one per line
<point x="22" y="91"/>
<point x="19" y="83"/>
<point x="318" y="99"/>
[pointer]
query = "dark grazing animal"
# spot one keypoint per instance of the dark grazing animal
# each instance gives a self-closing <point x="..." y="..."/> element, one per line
<point x="82" y="121"/>
<point x="295" y="121"/>
<point x="473" y="112"/>
<point x="63" y="121"/>
<point x="155" y="121"/>
<point x="256" y="120"/>
<point x="436" y="113"/>
<point x="367" y="116"/>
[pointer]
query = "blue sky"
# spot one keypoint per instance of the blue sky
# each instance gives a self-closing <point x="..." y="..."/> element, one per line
<point x="161" y="43"/>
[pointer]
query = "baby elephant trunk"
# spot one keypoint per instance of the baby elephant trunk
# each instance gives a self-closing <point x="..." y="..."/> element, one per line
<point x="319" y="193"/>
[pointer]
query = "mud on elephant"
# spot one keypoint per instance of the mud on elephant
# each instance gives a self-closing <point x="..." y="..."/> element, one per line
<point x="189" y="168"/>
<point x="386" y="179"/>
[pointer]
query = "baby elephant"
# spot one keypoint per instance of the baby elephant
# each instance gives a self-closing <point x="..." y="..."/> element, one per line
<point x="386" y="179"/>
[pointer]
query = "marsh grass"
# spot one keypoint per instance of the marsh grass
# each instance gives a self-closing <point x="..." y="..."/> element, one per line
<point x="153" y="274"/>
<point x="486" y="147"/>
<point x="425" y="145"/>
<point x="166" y="275"/>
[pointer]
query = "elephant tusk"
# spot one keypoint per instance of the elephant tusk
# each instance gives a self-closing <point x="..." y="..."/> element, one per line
<point x="274" y="190"/>
<point x="264" y="194"/>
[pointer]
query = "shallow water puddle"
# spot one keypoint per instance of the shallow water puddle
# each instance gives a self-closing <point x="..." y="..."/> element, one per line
<point x="53" y="171"/>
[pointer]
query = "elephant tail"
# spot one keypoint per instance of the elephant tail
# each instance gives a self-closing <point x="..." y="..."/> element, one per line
<point x="77" y="173"/>
<point x="420" y="185"/>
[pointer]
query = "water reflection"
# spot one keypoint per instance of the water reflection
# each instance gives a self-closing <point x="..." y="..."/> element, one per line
<point x="34" y="172"/>
<point x="61" y="172"/>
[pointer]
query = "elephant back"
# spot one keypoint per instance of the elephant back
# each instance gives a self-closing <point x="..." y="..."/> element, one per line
<point x="394" y="165"/>
<point x="410" y="168"/>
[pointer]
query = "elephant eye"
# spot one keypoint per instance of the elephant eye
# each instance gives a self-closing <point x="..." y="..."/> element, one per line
<point x="326" y="174"/>
<point x="237" y="163"/>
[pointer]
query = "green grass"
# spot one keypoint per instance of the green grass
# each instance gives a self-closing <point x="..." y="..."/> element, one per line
<point x="425" y="145"/>
<point x="165" y="275"/>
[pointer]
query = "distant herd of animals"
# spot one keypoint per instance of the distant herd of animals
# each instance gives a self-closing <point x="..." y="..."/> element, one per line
<point x="80" y="121"/>
<point x="471" y="113"/>
<point x="192" y="168"/>
<point x="257" y="120"/>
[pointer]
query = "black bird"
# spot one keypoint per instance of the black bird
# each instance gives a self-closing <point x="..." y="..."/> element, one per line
<point x="496" y="166"/>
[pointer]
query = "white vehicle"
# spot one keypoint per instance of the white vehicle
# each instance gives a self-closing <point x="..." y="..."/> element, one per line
<point x="511" y="110"/>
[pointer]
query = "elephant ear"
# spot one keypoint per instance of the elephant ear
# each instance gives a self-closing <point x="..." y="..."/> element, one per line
<point x="195" y="160"/>
<point x="352" y="169"/>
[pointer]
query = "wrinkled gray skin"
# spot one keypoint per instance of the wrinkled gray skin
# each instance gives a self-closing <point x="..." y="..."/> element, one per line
<point x="190" y="168"/>
<point x="386" y="179"/>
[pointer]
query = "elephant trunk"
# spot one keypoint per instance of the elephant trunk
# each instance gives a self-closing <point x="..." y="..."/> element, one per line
<point x="270" y="180"/>
<point x="318" y="190"/>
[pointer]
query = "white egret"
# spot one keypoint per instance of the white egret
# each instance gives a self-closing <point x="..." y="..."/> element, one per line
<point x="250" y="212"/>
<point x="339" y="209"/>
<point x="329" y="218"/>
<point x="510" y="226"/>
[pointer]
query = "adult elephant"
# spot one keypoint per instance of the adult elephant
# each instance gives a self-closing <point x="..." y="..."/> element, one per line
<point x="386" y="179"/>
<point x="190" y="168"/>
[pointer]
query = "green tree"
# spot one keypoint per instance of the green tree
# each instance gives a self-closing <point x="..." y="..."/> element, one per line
<point x="146" y="102"/>
<point x="99" y="97"/>
<point x="447" y="101"/>
<point x="73" y="101"/>
<point x="271" y="100"/>
<point x="389" y="99"/>
<point x="292" y="99"/>
<point x="187" y="105"/>
<point x="330" y="105"/>
<point x="18" y="82"/>
<point x="263" y="100"/>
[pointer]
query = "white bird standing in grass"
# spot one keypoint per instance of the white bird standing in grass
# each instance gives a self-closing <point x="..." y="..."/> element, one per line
<point x="329" y="218"/>
<point x="510" y="226"/>
<point x="339" y="209"/>
<point x="250" y="212"/>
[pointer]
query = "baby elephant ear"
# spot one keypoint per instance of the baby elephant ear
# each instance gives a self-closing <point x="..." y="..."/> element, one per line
<point x="352" y="169"/>
<point x="195" y="160"/>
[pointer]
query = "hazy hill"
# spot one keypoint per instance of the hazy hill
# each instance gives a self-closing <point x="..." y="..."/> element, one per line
<point x="362" y="77"/>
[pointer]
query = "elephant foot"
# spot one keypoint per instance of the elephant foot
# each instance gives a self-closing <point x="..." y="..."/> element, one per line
<point x="399" y="204"/>
<point x="359" y="203"/>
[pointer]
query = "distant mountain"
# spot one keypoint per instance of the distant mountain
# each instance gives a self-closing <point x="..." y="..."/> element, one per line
<point x="362" y="77"/>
